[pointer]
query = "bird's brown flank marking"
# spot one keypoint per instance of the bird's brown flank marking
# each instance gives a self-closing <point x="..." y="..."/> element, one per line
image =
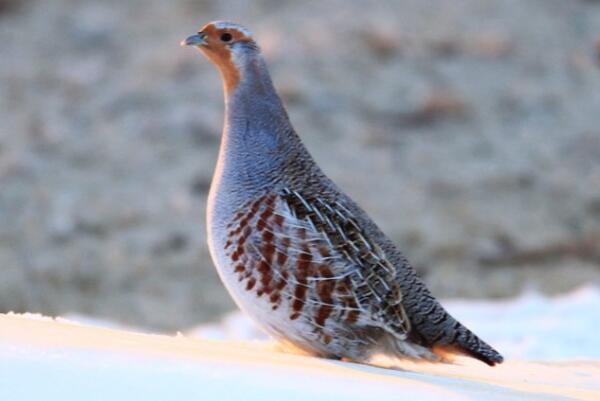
<point x="347" y="299"/>
<point x="263" y="218"/>
<point x="250" y="284"/>
<point x="268" y="236"/>
<point x="352" y="316"/>
<point x="324" y="251"/>
<point x="278" y="220"/>
<point x="281" y="258"/>
<point x="264" y="270"/>
<point x="275" y="298"/>
<point x="302" y="272"/>
<point x="325" y="288"/>
<point x="268" y="250"/>
<point x="256" y="205"/>
<point x="282" y="281"/>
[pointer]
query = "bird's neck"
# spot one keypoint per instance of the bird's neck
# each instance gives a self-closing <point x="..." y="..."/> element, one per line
<point x="258" y="139"/>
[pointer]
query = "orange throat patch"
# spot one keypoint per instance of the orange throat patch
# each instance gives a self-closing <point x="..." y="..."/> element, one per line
<point x="223" y="59"/>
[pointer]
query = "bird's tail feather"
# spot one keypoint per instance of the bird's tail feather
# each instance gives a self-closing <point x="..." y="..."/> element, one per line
<point x="435" y="328"/>
<point x="467" y="343"/>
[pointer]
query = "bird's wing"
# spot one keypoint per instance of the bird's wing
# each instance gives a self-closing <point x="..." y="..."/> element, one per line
<point x="313" y="253"/>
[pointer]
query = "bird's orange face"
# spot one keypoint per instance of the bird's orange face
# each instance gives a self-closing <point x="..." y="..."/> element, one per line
<point x="216" y="41"/>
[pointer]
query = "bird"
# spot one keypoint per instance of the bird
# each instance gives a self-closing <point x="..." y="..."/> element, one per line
<point x="296" y="253"/>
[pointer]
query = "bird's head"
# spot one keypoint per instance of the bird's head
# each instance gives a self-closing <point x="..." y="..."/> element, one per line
<point x="227" y="45"/>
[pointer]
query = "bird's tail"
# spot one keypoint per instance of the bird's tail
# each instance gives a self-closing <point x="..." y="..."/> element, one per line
<point x="464" y="341"/>
<point x="436" y="329"/>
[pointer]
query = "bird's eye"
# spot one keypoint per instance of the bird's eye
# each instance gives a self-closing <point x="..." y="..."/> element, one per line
<point x="226" y="37"/>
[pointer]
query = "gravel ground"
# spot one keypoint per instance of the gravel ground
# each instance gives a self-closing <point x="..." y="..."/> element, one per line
<point x="478" y="119"/>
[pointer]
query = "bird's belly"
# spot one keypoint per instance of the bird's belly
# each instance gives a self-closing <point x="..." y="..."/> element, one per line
<point x="270" y="307"/>
<point x="285" y="281"/>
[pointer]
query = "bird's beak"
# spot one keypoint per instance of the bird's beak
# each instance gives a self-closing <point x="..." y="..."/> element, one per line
<point x="195" y="40"/>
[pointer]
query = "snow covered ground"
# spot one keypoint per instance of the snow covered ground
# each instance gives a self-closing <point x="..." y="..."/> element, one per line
<point x="57" y="359"/>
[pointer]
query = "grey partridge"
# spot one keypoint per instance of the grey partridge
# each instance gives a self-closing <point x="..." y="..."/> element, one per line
<point x="296" y="253"/>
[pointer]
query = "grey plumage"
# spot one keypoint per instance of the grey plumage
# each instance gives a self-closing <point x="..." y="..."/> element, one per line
<point x="299" y="255"/>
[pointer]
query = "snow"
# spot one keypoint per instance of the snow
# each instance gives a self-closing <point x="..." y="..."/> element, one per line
<point x="57" y="359"/>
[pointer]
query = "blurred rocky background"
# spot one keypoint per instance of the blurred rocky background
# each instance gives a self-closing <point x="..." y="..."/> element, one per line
<point x="469" y="129"/>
